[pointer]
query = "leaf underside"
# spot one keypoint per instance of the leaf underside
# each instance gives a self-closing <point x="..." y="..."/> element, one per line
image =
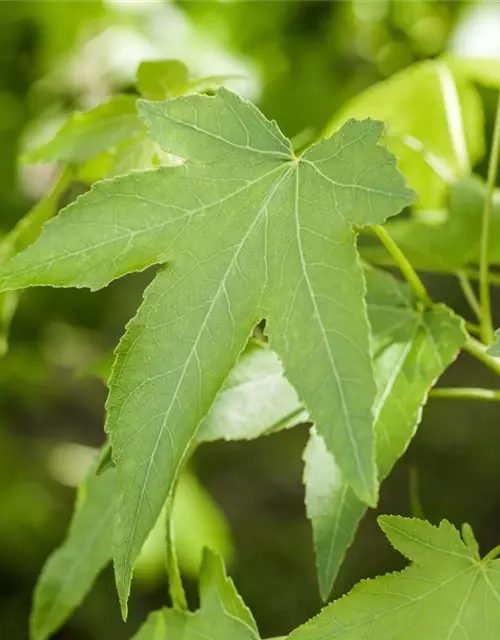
<point x="248" y="231"/>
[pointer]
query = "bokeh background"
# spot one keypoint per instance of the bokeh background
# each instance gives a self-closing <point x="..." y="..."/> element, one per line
<point x="300" y="61"/>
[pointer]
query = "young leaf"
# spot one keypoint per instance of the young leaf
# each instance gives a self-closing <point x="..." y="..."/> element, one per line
<point x="249" y="231"/>
<point x="86" y="135"/>
<point x="432" y="152"/>
<point x="412" y="347"/>
<point x="445" y="594"/>
<point x="71" y="570"/>
<point x="162" y="79"/>
<point x="222" y="614"/>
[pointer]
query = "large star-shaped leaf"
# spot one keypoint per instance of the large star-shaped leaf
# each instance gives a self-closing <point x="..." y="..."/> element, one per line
<point x="249" y="230"/>
<point x="448" y="593"/>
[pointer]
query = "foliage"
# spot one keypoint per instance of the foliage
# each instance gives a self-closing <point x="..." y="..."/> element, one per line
<point x="268" y="309"/>
<point x="447" y="592"/>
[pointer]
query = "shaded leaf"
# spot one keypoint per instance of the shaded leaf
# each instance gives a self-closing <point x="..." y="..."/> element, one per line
<point x="412" y="347"/>
<point x="198" y="522"/>
<point x="221" y="616"/>
<point x="249" y="231"/>
<point x="445" y="594"/>
<point x="70" y="571"/>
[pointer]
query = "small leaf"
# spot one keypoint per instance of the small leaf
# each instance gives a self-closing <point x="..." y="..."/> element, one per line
<point x="446" y="593"/>
<point x="222" y="614"/>
<point x="162" y="79"/>
<point x="434" y="124"/>
<point x="71" y="570"/>
<point x="88" y="134"/>
<point x="248" y="231"/>
<point x="494" y="350"/>
<point x="412" y="347"/>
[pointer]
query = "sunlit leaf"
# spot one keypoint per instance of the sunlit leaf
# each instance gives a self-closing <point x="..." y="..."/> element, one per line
<point x="434" y="125"/>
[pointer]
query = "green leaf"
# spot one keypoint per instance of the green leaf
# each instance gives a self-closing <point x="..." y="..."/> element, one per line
<point x="222" y="614"/>
<point x="432" y="151"/>
<point x="494" y="350"/>
<point x="162" y="79"/>
<point x="256" y="399"/>
<point x="71" y="570"/>
<point x="412" y="347"/>
<point x="445" y="594"/>
<point x="485" y="71"/>
<point x="249" y="231"/>
<point x="447" y="244"/>
<point x="88" y="134"/>
<point x="192" y="504"/>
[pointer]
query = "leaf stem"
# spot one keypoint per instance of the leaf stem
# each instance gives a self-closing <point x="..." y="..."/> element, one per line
<point x="400" y="259"/>
<point x="474" y="393"/>
<point x="469" y="293"/>
<point x="472" y="328"/>
<point x="175" y="586"/>
<point x="484" y="275"/>
<point x="478" y="350"/>
<point x="491" y="555"/>
<point x="472" y="346"/>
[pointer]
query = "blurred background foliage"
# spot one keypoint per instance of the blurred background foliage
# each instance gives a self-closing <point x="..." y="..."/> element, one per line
<point x="301" y="61"/>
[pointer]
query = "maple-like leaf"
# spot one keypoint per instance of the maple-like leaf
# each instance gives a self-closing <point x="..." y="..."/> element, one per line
<point x="248" y="230"/>
<point x="447" y="593"/>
